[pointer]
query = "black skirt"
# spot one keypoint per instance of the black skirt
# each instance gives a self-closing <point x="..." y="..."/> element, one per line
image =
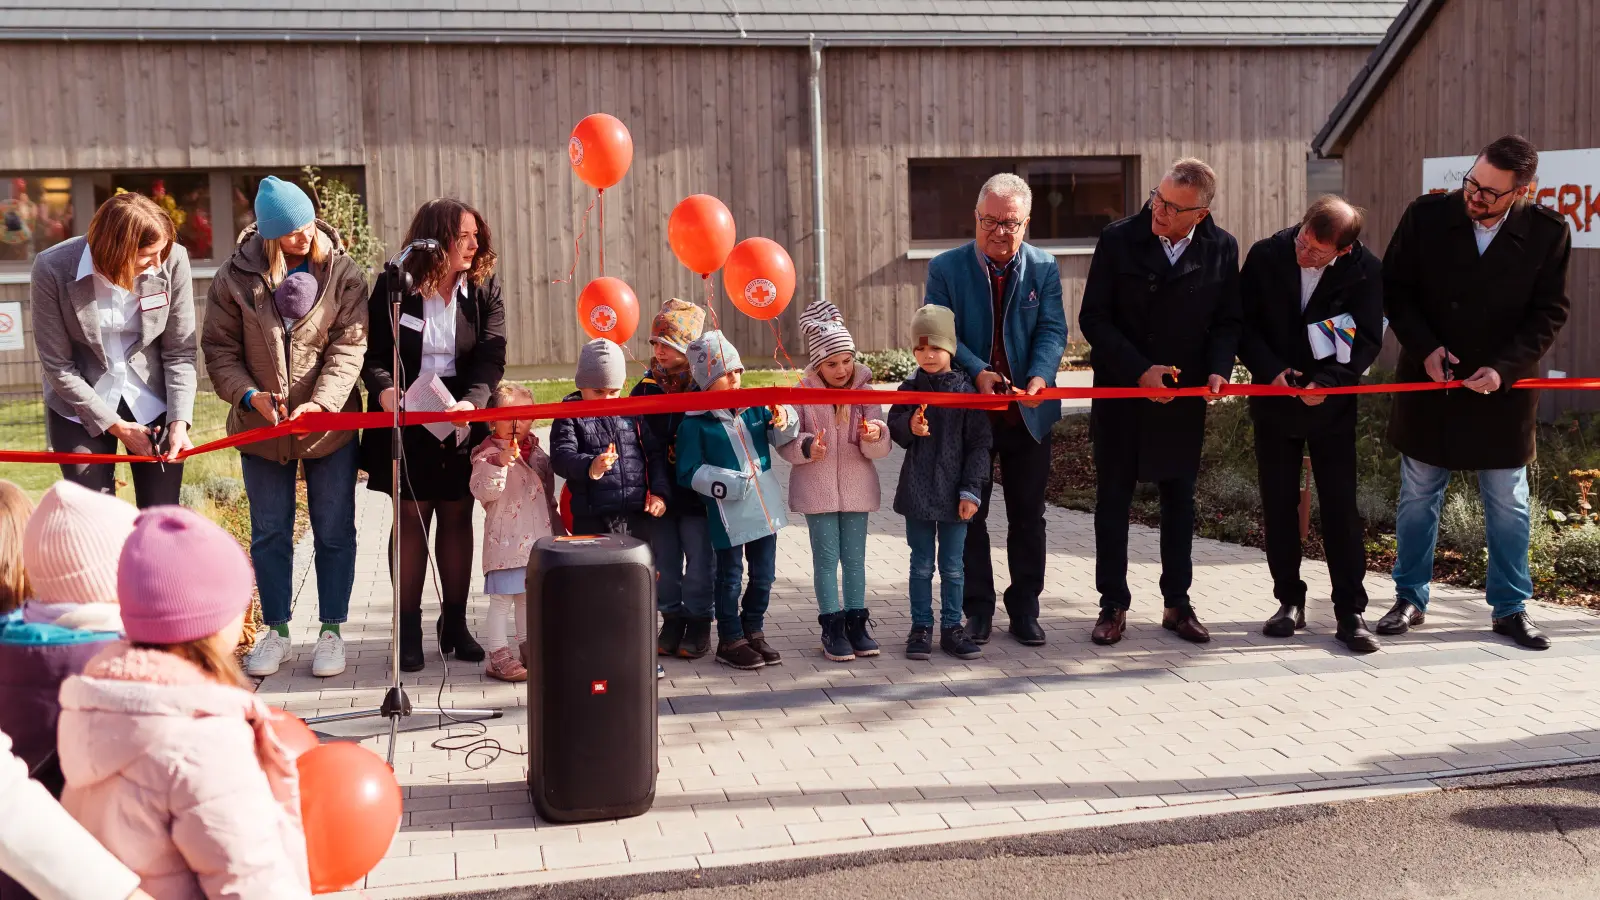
<point x="430" y="470"/>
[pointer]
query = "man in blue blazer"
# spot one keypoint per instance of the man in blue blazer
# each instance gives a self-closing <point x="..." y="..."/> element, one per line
<point x="1012" y="331"/>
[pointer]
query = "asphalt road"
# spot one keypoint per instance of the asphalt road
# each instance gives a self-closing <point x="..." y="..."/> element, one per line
<point x="1527" y="841"/>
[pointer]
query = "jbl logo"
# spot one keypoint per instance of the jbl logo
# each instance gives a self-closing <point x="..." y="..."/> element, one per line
<point x="597" y="687"/>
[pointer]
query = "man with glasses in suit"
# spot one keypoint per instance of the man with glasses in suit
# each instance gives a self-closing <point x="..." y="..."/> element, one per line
<point x="1475" y="285"/>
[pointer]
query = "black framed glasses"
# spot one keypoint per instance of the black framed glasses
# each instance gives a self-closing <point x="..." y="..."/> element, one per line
<point x="1313" y="251"/>
<point x="1157" y="201"/>
<point x="1004" y="226"/>
<point x="1473" y="189"/>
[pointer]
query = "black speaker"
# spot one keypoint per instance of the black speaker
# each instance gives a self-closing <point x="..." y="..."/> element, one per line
<point x="591" y="677"/>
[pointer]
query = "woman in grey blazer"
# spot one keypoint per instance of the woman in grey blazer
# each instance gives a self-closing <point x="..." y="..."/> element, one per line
<point x="113" y="320"/>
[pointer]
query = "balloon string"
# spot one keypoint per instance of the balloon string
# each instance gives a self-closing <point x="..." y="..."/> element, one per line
<point x="779" y="338"/>
<point x="710" y="295"/>
<point x="577" y="247"/>
<point x="600" y="198"/>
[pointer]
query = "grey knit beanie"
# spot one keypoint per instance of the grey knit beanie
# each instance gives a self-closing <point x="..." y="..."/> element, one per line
<point x="601" y="366"/>
<point x="935" y="326"/>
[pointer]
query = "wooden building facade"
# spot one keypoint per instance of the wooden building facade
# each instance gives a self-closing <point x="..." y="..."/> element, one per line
<point x="1453" y="75"/>
<point x="488" y="122"/>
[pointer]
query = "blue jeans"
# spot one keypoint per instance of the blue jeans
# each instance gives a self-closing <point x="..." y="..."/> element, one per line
<point x="331" y="491"/>
<point x="951" y="538"/>
<point x="1506" y="523"/>
<point x="838" y="538"/>
<point x="683" y="591"/>
<point x="763" y="556"/>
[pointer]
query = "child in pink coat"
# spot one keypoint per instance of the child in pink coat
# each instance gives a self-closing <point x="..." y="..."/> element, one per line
<point x="835" y="481"/>
<point x="169" y="761"/>
<point x="512" y="478"/>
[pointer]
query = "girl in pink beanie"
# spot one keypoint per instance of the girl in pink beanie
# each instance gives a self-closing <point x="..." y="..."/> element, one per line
<point x="168" y="760"/>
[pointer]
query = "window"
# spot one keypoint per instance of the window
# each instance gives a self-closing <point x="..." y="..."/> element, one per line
<point x="1073" y="197"/>
<point x="245" y="184"/>
<point x="186" y="196"/>
<point x="35" y="214"/>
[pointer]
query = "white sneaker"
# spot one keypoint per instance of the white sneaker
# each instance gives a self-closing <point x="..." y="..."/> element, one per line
<point x="328" y="660"/>
<point x="267" y="655"/>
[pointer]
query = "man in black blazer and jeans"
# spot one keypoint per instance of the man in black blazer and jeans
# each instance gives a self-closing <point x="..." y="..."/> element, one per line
<point x="1313" y="317"/>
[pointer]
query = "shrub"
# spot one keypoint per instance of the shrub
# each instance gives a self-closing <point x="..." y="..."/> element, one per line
<point x="343" y="209"/>
<point x="1376" y="505"/>
<point x="1229" y="491"/>
<point x="192" y="496"/>
<point x="1577" y="557"/>
<point x="889" y="365"/>
<point x="224" y="491"/>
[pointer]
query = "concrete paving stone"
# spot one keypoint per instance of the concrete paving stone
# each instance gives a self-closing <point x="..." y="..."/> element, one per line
<point x="412" y="870"/>
<point x="812" y="832"/>
<point x="584" y="853"/>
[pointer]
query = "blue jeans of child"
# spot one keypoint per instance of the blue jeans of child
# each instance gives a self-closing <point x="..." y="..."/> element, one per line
<point x="331" y="492"/>
<point x="1506" y="526"/>
<point x="951" y="541"/>
<point x="838" y="538"/>
<point x="685" y="566"/>
<point x="762" y="553"/>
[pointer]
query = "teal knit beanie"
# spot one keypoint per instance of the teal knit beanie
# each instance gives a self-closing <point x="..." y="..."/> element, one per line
<point x="281" y="207"/>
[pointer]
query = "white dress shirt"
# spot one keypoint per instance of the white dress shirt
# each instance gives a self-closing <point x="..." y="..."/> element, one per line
<point x="1309" y="278"/>
<point x="1485" y="236"/>
<point x="439" y="333"/>
<point x="119" y="313"/>
<point x="1173" y="250"/>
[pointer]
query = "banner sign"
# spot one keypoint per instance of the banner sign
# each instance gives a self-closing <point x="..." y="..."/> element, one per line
<point x="1568" y="182"/>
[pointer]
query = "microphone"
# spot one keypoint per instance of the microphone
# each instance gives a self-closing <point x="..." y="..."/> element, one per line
<point x="428" y="245"/>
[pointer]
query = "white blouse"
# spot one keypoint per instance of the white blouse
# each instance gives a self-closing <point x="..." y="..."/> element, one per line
<point x="119" y="328"/>
<point x="439" y="332"/>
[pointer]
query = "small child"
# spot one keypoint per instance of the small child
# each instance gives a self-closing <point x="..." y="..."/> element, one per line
<point x="834" y="482"/>
<point x="685" y="562"/>
<point x="614" y="467"/>
<point x="170" y="762"/>
<point x="941" y="482"/>
<point x="725" y="455"/>
<point x="69" y="549"/>
<point x="512" y="478"/>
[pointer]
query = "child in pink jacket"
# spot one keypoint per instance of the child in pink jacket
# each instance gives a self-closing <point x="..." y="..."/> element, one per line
<point x="512" y="478"/>
<point x="169" y="761"/>
<point x="835" y="481"/>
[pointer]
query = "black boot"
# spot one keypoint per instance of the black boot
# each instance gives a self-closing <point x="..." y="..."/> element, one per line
<point x="454" y="636"/>
<point x="979" y="628"/>
<point x="411" y="658"/>
<point x="1289" y="618"/>
<point x="671" y="635"/>
<point x="855" y="629"/>
<point x="1354" y="634"/>
<point x="696" y="639"/>
<point x="954" y="641"/>
<point x="835" y="645"/>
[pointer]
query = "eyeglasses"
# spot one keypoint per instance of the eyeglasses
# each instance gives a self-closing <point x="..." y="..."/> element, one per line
<point x="1159" y="202"/>
<point x="1312" y="251"/>
<point x="1004" y="226"/>
<point x="1476" y="191"/>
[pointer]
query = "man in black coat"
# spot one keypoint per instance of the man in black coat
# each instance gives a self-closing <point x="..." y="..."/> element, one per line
<point x="1161" y="302"/>
<point x="1475" y="283"/>
<point x="1313" y="317"/>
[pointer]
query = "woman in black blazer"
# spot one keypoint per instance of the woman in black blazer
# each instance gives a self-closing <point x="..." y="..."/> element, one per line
<point x="451" y="324"/>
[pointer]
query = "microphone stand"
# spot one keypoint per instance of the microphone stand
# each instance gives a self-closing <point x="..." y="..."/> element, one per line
<point x="396" y="705"/>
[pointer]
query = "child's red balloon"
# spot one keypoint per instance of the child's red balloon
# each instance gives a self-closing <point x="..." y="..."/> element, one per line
<point x="701" y="233"/>
<point x="601" y="149"/>
<point x="608" y="308"/>
<point x="565" y="508"/>
<point x="350" y="806"/>
<point x="759" y="278"/>
<point x="295" y="736"/>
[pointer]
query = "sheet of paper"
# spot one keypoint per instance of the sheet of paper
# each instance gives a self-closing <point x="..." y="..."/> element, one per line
<point x="428" y="394"/>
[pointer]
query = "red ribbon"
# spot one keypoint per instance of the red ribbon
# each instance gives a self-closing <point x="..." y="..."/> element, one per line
<point x="698" y="401"/>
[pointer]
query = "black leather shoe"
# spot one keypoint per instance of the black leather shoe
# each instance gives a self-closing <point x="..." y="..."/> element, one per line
<point x="1353" y="633"/>
<point x="1027" y="632"/>
<point x="979" y="628"/>
<point x="454" y="636"/>
<point x="1400" y="618"/>
<point x="1286" y="621"/>
<point x="1521" y="629"/>
<point x="671" y="635"/>
<point x="411" y="658"/>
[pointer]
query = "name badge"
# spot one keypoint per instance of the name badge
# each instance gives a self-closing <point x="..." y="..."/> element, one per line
<point x="152" y="301"/>
<point x="407" y="320"/>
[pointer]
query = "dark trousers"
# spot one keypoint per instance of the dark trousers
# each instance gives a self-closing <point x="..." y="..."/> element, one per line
<point x="1114" y="487"/>
<point x="634" y="524"/>
<point x="154" y="484"/>
<point x="1024" y="473"/>
<point x="1333" y="465"/>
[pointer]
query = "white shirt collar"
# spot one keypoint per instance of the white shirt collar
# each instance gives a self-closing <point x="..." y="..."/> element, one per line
<point x="1489" y="229"/>
<point x="86" y="268"/>
<point x="1180" y="242"/>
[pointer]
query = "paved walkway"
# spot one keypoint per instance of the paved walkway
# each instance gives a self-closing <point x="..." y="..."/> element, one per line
<point x="813" y="757"/>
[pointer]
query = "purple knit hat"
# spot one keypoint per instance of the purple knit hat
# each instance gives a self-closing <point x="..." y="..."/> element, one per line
<point x="295" y="297"/>
<point x="180" y="578"/>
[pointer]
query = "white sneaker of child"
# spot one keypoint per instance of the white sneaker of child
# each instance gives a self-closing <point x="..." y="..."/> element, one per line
<point x="328" y="659"/>
<point x="267" y="655"/>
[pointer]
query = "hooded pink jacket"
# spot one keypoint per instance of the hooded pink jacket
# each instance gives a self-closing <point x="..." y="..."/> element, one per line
<point x="519" y="503"/>
<point x="845" y="479"/>
<point x="182" y="779"/>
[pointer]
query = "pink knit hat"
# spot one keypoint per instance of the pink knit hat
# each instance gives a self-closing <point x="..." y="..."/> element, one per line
<point x="181" y="578"/>
<point x="72" y="543"/>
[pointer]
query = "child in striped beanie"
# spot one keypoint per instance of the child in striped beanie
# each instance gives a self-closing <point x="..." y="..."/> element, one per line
<point x="835" y="481"/>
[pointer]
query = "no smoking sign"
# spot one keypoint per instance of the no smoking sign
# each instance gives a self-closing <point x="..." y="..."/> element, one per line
<point x="11" y="326"/>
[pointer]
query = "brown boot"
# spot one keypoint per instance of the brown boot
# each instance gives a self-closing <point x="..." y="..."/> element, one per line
<point x="1182" y="620"/>
<point x="769" y="656"/>
<point x="696" y="639"/>
<point x="1109" y="627"/>
<point x="739" y="654"/>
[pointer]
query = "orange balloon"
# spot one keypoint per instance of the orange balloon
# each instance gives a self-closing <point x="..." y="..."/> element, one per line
<point x="601" y="149"/>
<point x="295" y="736"/>
<point x="701" y="233"/>
<point x="759" y="278"/>
<point x="608" y="308"/>
<point x="350" y="806"/>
